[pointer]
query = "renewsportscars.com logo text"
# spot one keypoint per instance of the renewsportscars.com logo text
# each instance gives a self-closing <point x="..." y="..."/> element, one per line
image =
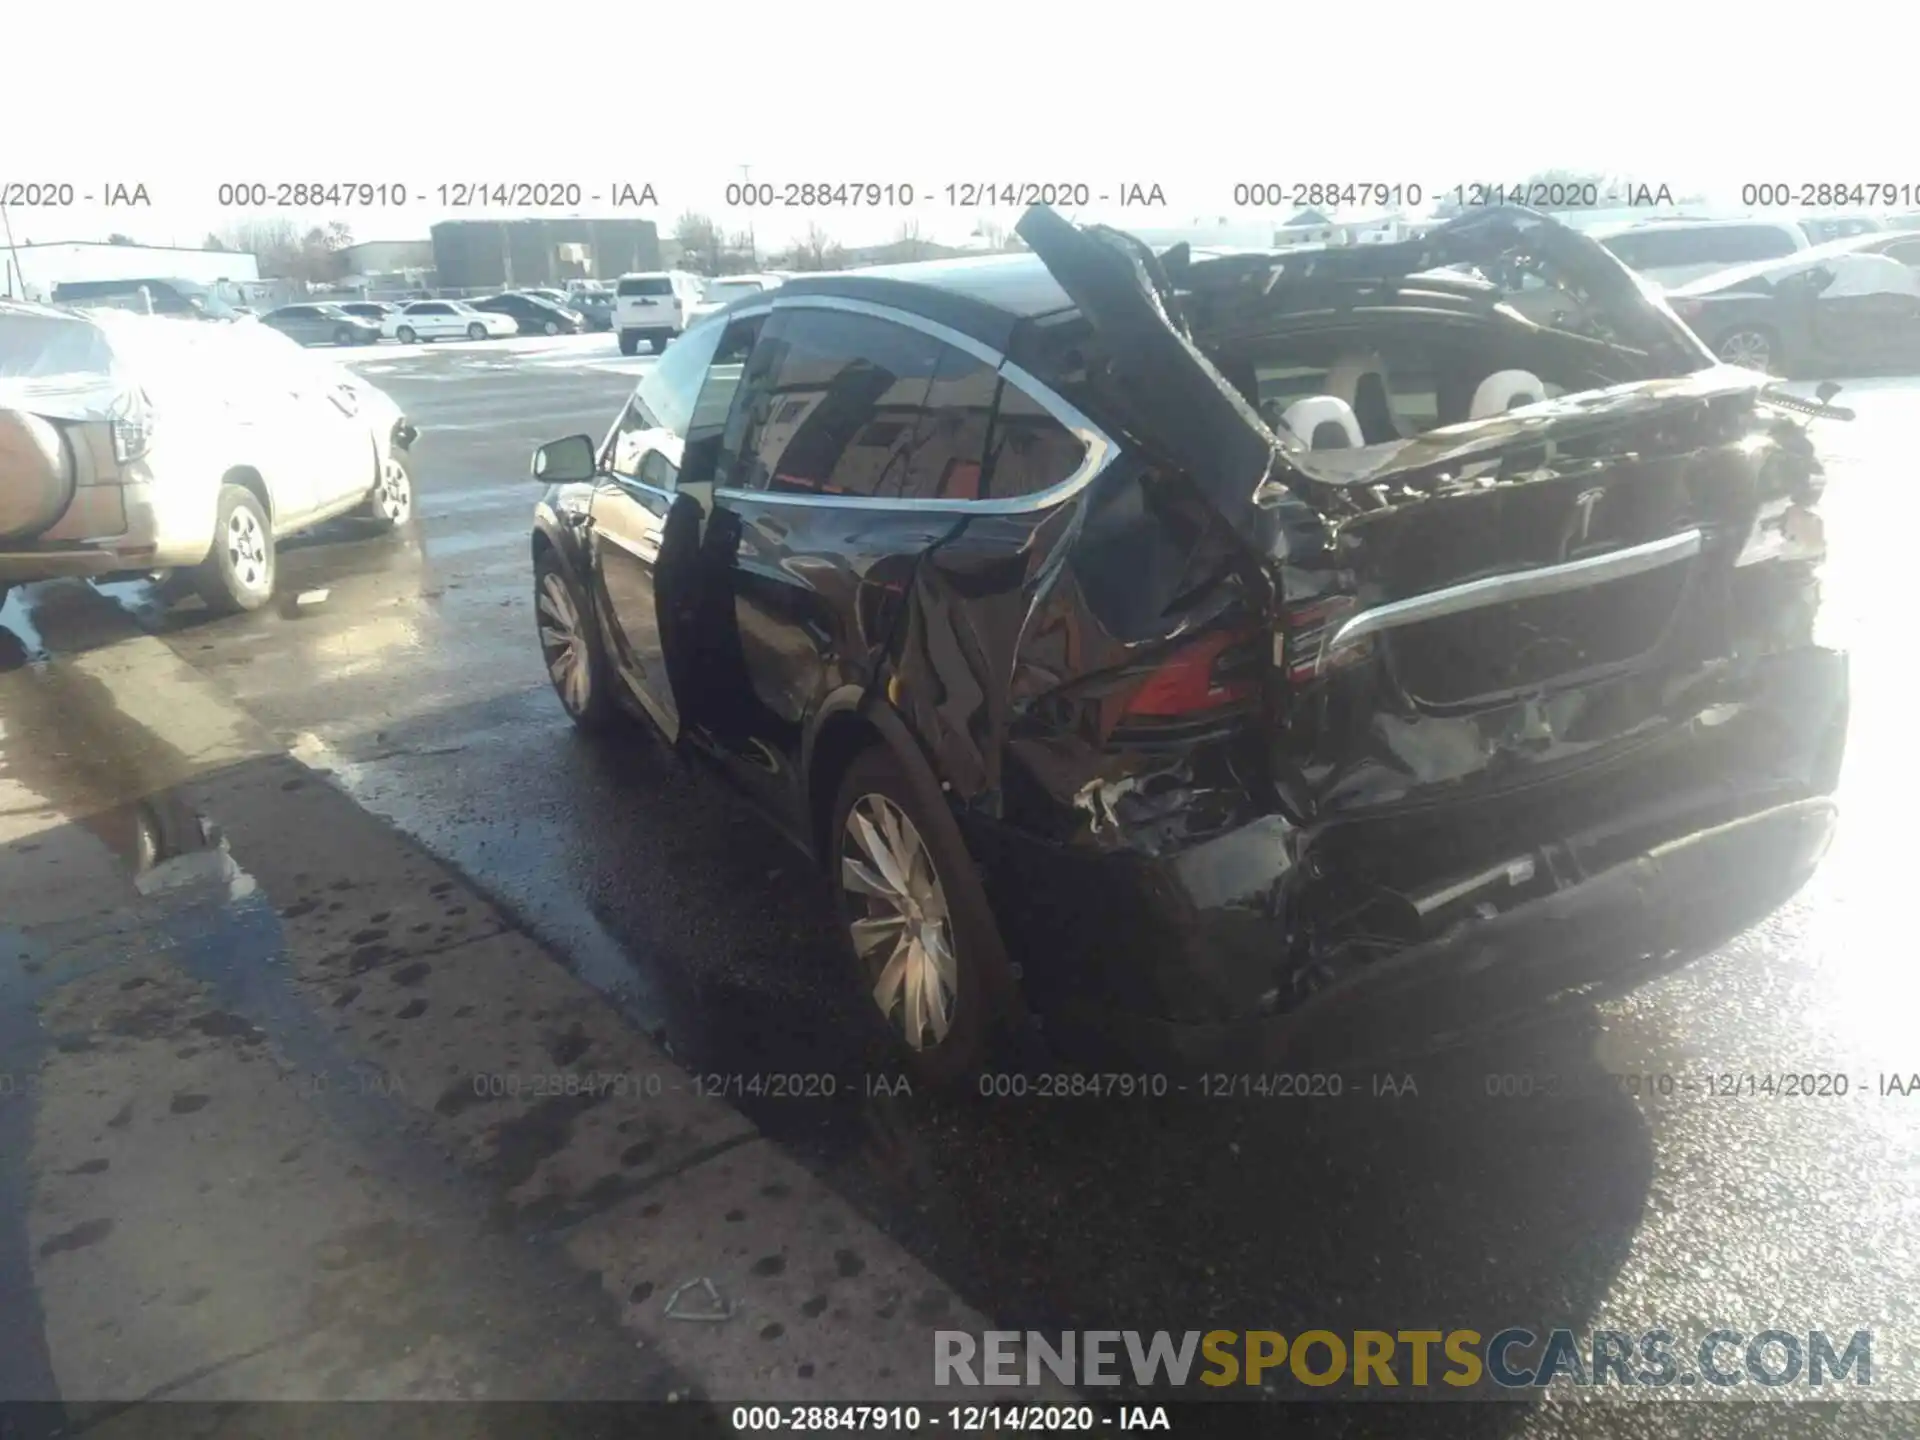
<point x="1513" y="1359"/>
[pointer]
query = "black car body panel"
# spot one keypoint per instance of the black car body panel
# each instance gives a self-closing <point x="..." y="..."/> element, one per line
<point x="321" y="325"/>
<point x="1238" y="729"/>
<point x="531" y="314"/>
<point x="595" y="308"/>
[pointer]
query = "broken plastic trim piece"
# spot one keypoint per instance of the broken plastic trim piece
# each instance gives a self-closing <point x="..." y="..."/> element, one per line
<point x="717" y="1311"/>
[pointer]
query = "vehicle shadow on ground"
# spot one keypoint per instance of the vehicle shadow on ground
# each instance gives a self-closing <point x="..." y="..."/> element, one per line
<point x="1442" y="1195"/>
<point x="1498" y="1186"/>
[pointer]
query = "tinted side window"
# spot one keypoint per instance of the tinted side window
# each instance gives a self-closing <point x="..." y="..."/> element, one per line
<point x="1029" y="450"/>
<point x="1907" y="252"/>
<point x="837" y="402"/>
<point x="716" y="406"/>
<point x="666" y="397"/>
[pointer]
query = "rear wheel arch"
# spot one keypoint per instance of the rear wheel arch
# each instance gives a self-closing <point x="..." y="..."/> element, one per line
<point x="839" y="738"/>
<point x="856" y="725"/>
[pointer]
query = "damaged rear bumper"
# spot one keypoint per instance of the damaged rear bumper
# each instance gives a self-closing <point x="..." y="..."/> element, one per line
<point x="1676" y="899"/>
<point x="1195" y="953"/>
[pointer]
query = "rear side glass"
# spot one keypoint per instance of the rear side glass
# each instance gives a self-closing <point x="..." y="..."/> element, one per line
<point x="947" y="458"/>
<point x="1028" y="450"/>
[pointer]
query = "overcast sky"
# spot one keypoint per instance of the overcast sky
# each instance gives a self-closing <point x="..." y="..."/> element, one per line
<point x="181" y="98"/>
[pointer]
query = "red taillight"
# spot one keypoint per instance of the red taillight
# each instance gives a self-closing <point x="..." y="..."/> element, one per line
<point x="1188" y="682"/>
<point x="1309" y="630"/>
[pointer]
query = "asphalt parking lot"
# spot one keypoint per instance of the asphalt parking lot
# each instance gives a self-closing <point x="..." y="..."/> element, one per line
<point x="1633" y="1196"/>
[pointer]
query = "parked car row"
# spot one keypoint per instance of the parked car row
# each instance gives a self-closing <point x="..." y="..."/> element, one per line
<point x="144" y="444"/>
<point x="1229" y="660"/>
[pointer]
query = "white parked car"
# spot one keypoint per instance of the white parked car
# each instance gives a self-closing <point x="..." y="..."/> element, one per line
<point x="445" y="320"/>
<point x="725" y="289"/>
<point x="139" y="444"/>
<point x="1672" y="252"/>
<point x="654" y="306"/>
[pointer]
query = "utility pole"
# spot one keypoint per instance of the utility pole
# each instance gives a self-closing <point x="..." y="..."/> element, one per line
<point x="753" y="245"/>
<point x="6" y="220"/>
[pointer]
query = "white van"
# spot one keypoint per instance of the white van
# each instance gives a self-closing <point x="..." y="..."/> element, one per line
<point x="653" y="305"/>
<point x="1672" y="252"/>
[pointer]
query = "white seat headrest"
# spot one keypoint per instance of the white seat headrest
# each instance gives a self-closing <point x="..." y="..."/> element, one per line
<point x="1325" y="422"/>
<point x="1506" y="390"/>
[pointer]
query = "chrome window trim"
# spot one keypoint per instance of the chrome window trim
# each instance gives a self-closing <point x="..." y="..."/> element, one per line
<point x="1099" y="446"/>
<point x="1519" y="585"/>
<point x="945" y="334"/>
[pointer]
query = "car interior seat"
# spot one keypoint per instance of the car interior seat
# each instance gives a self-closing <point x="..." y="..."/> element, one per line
<point x="1361" y="381"/>
<point x="1506" y="390"/>
<point x="1325" y="422"/>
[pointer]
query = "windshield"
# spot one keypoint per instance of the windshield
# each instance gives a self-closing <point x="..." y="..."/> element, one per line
<point x="39" y="345"/>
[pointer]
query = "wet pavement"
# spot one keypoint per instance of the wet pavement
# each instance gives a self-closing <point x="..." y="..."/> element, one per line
<point x="289" y="1112"/>
<point x="1588" y="1174"/>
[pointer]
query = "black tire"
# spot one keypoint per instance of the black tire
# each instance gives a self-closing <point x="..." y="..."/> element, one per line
<point x="476" y="331"/>
<point x="6" y="588"/>
<point x="629" y="343"/>
<point x="343" y="336"/>
<point x="390" y="505"/>
<point x="591" y="704"/>
<point x="238" y="573"/>
<point x="406" y="335"/>
<point x="552" y="327"/>
<point x="975" y="1027"/>
<point x="1744" y="339"/>
<point x="660" y="343"/>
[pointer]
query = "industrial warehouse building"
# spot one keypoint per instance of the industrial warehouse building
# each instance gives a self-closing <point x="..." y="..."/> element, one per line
<point x="502" y="254"/>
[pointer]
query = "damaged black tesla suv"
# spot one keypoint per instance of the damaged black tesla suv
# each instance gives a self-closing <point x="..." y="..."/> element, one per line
<point x="1222" y="659"/>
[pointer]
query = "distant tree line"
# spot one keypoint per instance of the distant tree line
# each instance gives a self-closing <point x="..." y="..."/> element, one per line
<point x="287" y="251"/>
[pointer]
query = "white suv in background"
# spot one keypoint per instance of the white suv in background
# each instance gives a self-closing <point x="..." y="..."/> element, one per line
<point x="653" y="305"/>
<point x="723" y="290"/>
<point x="1672" y="252"/>
<point x="138" y="444"/>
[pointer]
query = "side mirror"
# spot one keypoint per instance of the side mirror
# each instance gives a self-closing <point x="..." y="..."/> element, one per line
<point x="1826" y="391"/>
<point x="561" y="462"/>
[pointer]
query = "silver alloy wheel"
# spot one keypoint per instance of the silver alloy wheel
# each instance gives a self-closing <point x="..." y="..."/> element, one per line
<point x="905" y="939"/>
<point x="562" y="645"/>
<point x="247" y="552"/>
<point x="406" y="335"/>
<point x="1748" y="348"/>
<point x="394" y="495"/>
